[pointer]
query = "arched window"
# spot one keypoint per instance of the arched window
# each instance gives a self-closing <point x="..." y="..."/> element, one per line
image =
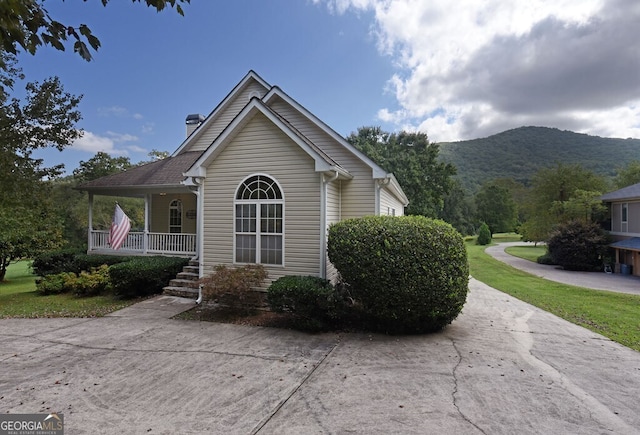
<point x="175" y="216"/>
<point x="259" y="221"/>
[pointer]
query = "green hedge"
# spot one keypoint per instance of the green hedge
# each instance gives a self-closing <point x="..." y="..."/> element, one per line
<point x="409" y="274"/>
<point x="143" y="276"/>
<point x="313" y="300"/>
<point x="72" y="260"/>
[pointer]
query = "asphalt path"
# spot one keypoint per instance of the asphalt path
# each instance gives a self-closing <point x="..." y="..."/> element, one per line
<point x="594" y="280"/>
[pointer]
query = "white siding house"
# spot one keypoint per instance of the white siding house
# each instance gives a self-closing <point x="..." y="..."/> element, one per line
<point x="259" y="180"/>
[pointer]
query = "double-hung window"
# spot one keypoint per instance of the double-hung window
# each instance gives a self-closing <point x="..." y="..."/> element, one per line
<point x="259" y="221"/>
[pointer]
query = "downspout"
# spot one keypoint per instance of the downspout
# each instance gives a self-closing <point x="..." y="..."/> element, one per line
<point x="196" y="187"/>
<point x="90" y="228"/>
<point x="147" y="209"/>
<point x="323" y="222"/>
<point x="380" y="182"/>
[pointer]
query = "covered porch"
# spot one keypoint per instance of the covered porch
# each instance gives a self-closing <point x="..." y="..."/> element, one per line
<point x="171" y="217"/>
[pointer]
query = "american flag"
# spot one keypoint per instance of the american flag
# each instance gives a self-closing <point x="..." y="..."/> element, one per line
<point x="120" y="226"/>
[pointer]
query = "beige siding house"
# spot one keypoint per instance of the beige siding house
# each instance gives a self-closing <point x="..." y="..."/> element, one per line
<point x="259" y="180"/>
<point x="624" y="227"/>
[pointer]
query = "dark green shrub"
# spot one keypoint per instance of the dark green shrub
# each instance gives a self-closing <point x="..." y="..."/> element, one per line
<point x="143" y="276"/>
<point x="89" y="261"/>
<point x="408" y="274"/>
<point x="232" y="286"/>
<point x="578" y="246"/>
<point x="313" y="300"/>
<point x="55" y="262"/>
<point x="545" y="259"/>
<point x="72" y="260"/>
<point x="484" y="235"/>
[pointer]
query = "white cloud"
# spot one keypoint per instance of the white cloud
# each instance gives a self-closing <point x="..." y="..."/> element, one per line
<point x="470" y="69"/>
<point x="110" y="143"/>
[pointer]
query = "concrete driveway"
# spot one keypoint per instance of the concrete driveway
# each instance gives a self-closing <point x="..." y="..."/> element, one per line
<point x="502" y="367"/>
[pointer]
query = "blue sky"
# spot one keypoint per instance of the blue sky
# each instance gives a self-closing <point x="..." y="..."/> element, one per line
<point x="453" y="70"/>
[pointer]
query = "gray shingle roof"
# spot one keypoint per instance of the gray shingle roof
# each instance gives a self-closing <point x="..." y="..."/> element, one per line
<point x="165" y="172"/>
<point x="629" y="192"/>
<point x="631" y="244"/>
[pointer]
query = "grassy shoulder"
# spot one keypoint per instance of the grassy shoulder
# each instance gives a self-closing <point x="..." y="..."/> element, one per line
<point x="614" y="315"/>
<point x="19" y="298"/>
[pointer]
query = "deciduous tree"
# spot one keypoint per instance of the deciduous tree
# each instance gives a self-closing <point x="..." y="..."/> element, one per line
<point x="414" y="162"/>
<point x="46" y="117"/>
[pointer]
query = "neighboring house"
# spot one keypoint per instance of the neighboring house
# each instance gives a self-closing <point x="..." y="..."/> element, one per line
<point x="259" y="180"/>
<point x="624" y="206"/>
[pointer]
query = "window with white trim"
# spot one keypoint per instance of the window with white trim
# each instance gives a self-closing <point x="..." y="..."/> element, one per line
<point x="259" y="221"/>
<point x="175" y="216"/>
<point x="625" y="212"/>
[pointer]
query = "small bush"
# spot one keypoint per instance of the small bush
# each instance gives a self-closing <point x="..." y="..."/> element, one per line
<point x="144" y="276"/>
<point x="233" y="286"/>
<point x="545" y="259"/>
<point x="54" y="284"/>
<point x="313" y="300"/>
<point x="92" y="283"/>
<point x="579" y="246"/>
<point x="409" y="274"/>
<point x="484" y="235"/>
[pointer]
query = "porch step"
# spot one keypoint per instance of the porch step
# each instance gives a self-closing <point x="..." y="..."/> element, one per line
<point x="183" y="292"/>
<point x="186" y="282"/>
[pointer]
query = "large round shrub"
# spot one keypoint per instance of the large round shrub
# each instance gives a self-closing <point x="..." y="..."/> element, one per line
<point x="578" y="246"/>
<point x="409" y="274"/>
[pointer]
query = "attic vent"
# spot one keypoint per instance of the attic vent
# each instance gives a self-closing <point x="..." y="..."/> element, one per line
<point x="193" y="121"/>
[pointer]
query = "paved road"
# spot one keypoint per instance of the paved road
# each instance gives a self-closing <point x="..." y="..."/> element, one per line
<point x="595" y="280"/>
<point x="502" y="367"/>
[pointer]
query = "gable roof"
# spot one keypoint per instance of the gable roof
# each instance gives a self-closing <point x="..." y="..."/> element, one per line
<point x="275" y="91"/>
<point x="167" y="172"/>
<point x="195" y="135"/>
<point x="629" y="192"/>
<point x="323" y="162"/>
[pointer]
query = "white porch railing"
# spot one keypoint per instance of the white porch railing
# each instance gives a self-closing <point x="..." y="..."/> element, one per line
<point x="179" y="244"/>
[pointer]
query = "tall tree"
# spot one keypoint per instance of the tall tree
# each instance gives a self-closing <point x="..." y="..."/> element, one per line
<point x="496" y="208"/>
<point x="100" y="165"/>
<point x="414" y="162"/>
<point x="551" y="189"/>
<point x="46" y="117"/>
<point x="627" y="175"/>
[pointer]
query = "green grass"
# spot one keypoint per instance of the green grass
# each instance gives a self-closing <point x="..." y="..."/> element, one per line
<point x="614" y="315"/>
<point x="18" y="298"/>
<point x="530" y="252"/>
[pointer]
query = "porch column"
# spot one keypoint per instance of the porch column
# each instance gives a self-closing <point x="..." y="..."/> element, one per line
<point x="90" y="227"/>
<point x="145" y="240"/>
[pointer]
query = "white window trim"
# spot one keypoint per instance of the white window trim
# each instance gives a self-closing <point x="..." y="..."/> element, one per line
<point x="258" y="212"/>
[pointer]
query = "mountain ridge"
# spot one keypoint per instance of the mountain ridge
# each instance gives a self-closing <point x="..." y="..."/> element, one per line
<point x="521" y="152"/>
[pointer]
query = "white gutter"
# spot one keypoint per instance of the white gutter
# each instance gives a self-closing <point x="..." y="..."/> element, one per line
<point x="323" y="222"/>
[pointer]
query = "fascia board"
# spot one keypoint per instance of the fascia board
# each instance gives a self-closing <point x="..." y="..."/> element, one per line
<point x="252" y="108"/>
<point x="251" y="75"/>
<point x="275" y="91"/>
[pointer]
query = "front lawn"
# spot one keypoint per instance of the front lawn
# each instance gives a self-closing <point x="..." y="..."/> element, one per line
<point x="18" y="298"/>
<point x="529" y="252"/>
